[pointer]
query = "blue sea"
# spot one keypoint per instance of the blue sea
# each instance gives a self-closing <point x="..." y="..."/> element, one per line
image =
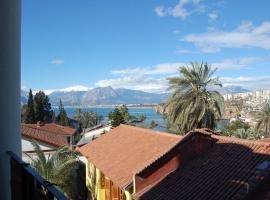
<point x="150" y="113"/>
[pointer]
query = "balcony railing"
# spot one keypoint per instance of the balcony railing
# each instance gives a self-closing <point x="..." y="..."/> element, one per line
<point x="27" y="184"/>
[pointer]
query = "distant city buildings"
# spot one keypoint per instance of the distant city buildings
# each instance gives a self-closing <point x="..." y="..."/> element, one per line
<point x="257" y="95"/>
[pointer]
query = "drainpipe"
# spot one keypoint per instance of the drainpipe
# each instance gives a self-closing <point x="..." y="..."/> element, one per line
<point x="10" y="137"/>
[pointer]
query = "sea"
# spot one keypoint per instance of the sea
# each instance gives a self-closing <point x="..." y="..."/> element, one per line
<point x="149" y="112"/>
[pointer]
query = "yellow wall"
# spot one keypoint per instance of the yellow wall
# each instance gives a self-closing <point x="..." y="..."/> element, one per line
<point x="99" y="190"/>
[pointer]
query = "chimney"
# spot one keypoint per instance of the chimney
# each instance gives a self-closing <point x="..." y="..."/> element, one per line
<point x="39" y="124"/>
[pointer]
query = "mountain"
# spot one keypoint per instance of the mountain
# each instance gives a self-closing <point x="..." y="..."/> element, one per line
<point x="110" y="96"/>
<point x="24" y="97"/>
<point x="232" y="89"/>
<point x="105" y="96"/>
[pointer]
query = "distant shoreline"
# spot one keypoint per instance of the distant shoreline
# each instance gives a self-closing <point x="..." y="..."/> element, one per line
<point x="111" y="106"/>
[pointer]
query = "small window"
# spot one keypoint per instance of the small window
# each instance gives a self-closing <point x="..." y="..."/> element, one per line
<point x="122" y="195"/>
<point x="102" y="180"/>
<point x="68" y="140"/>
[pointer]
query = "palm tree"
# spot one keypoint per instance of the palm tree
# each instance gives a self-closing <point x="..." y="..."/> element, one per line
<point x="264" y="118"/>
<point x="87" y="119"/>
<point x="194" y="102"/>
<point x="57" y="167"/>
<point x="92" y="184"/>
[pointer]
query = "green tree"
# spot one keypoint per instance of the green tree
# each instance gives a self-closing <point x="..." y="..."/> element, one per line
<point x="42" y="107"/>
<point x="264" y="118"/>
<point x="62" y="117"/>
<point x="56" y="168"/>
<point x="23" y="113"/>
<point x="153" y="124"/>
<point x="194" y="102"/>
<point x="124" y="112"/>
<point x="116" y="117"/>
<point x="30" y="112"/>
<point x="87" y="119"/>
<point x="232" y="127"/>
<point x="142" y="118"/>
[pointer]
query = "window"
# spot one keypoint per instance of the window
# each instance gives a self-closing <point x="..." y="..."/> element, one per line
<point x="102" y="180"/>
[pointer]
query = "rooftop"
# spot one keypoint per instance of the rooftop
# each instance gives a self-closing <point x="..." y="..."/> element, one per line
<point x="51" y="134"/>
<point x="228" y="169"/>
<point x="125" y="150"/>
<point x="53" y="128"/>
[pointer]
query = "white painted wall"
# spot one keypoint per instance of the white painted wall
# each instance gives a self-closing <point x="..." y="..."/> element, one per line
<point x="87" y="137"/>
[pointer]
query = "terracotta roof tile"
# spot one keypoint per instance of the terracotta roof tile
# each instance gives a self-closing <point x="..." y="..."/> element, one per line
<point x="127" y="149"/>
<point x="46" y="135"/>
<point x="227" y="170"/>
<point x="53" y="128"/>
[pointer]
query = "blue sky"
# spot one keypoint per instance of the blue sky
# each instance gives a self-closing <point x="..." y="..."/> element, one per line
<point x="75" y="45"/>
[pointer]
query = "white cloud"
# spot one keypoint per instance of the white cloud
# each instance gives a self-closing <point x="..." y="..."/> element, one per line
<point x="182" y="10"/>
<point x="163" y="68"/>
<point x="74" y="88"/>
<point x="213" y="15"/>
<point x="159" y="10"/>
<point x="236" y="63"/>
<point x="176" y="32"/>
<point x="136" y="83"/>
<point x="57" y="62"/>
<point x="245" y="35"/>
<point x="253" y="83"/>
<point x="153" y="79"/>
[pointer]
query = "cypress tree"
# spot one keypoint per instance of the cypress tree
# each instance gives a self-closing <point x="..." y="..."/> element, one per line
<point x="116" y="118"/>
<point x="42" y="107"/>
<point x="30" y="112"/>
<point x="62" y="116"/>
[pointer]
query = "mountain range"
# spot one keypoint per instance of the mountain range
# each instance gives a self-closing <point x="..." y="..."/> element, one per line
<point x="102" y="96"/>
<point x="110" y="96"/>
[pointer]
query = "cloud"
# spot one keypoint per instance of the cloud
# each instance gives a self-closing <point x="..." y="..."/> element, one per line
<point x="73" y="88"/>
<point x="159" y="10"/>
<point x="136" y="83"/>
<point x="163" y="68"/>
<point x="182" y="10"/>
<point x="253" y="83"/>
<point x="153" y="78"/>
<point x="236" y="63"/>
<point x="213" y="15"/>
<point x="244" y="36"/>
<point x="57" y="62"/>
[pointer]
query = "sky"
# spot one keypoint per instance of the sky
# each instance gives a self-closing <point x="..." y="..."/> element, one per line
<point x="77" y="45"/>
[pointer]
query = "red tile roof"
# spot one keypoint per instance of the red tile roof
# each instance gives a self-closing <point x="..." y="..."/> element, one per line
<point x="123" y="151"/>
<point x="226" y="170"/>
<point x="45" y="134"/>
<point x="53" y="128"/>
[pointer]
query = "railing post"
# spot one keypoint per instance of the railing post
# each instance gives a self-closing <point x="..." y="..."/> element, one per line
<point x="10" y="34"/>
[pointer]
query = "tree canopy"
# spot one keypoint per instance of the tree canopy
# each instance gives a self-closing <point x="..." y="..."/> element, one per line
<point x="62" y="117"/>
<point x="194" y="102"/>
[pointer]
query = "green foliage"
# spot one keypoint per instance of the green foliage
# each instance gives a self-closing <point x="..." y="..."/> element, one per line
<point x="242" y="130"/>
<point x="141" y="118"/>
<point x="87" y="119"/>
<point x="62" y="117"/>
<point x="192" y="104"/>
<point x="37" y="109"/>
<point x="42" y="107"/>
<point x="116" y="117"/>
<point x="153" y="124"/>
<point x="23" y="113"/>
<point x="56" y="168"/>
<point x="234" y="126"/>
<point x="264" y="118"/>
<point x="30" y="112"/>
<point x="124" y="112"/>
